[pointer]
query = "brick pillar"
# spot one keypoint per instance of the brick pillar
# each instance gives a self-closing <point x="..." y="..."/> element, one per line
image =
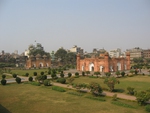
<point x="78" y="62"/>
<point x="128" y="60"/>
<point x="106" y="62"/>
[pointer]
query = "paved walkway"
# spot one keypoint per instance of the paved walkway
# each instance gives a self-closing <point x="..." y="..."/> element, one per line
<point x="110" y="94"/>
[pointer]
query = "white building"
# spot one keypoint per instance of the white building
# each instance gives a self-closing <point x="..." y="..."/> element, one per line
<point x="76" y="49"/>
<point x="116" y="53"/>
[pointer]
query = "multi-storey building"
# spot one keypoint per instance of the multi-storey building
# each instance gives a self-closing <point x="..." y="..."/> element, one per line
<point x="146" y="53"/>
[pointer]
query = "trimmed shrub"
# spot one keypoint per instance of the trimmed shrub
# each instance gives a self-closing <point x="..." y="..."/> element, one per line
<point x="69" y="74"/>
<point x="57" y="88"/>
<point x="42" y="73"/>
<point x="3" y="82"/>
<point x="83" y="73"/>
<point x="147" y="108"/>
<point x="75" y="93"/>
<point x="14" y="75"/>
<point x="123" y="73"/>
<point x="18" y="80"/>
<point x="46" y="83"/>
<point x="118" y="103"/>
<point x="35" y="73"/>
<point x="61" y="80"/>
<point x="35" y="83"/>
<point x="30" y="79"/>
<point x="27" y="74"/>
<point x="3" y="76"/>
<point x="130" y="90"/>
<point x="44" y="77"/>
<point x="95" y="98"/>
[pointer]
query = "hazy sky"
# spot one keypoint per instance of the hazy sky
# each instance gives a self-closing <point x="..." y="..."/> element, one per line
<point x="89" y="24"/>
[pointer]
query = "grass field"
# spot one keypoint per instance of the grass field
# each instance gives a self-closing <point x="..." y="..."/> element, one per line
<point x="138" y="82"/>
<point x="26" y="98"/>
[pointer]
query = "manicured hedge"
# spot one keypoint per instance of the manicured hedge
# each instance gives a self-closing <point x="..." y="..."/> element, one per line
<point x="57" y="88"/>
<point x="118" y="103"/>
<point x="74" y="93"/>
<point x="96" y="98"/>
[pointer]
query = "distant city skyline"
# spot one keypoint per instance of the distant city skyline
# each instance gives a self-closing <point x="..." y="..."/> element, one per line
<point x="88" y="24"/>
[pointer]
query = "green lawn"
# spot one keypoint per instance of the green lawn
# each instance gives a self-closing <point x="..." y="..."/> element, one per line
<point x="30" y="71"/>
<point x="26" y="98"/>
<point x="138" y="82"/>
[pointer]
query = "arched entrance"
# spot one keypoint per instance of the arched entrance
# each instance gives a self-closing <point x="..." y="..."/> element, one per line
<point x="82" y="68"/>
<point x="91" y="67"/>
<point x="101" y="68"/>
<point x="118" y="66"/>
<point x="41" y="65"/>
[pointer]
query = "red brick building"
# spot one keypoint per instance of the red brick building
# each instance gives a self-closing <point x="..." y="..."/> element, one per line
<point x="103" y="63"/>
<point x="38" y="61"/>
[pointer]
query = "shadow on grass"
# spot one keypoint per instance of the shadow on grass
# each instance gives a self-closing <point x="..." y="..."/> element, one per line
<point x="118" y="90"/>
<point x="3" y="109"/>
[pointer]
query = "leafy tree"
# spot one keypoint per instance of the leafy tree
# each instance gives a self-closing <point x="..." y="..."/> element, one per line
<point x="110" y="82"/>
<point x="61" y="80"/>
<point x="69" y="74"/>
<point x="70" y="58"/>
<point x="142" y="97"/>
<point x="95" y="88"/>
<point x="35" y="73"/>
<point x="70" y="80"/>
<point x="53" y="75"/>
<point x="61" y="54"/>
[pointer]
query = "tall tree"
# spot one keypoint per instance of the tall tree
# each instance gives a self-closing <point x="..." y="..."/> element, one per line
<point x="61" y="54"/>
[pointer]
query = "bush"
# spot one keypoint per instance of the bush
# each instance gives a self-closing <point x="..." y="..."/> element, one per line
<point x="123" y="73"/>
<point x="130" y="90"/>
<point x="3" y="82"/>
<point x="147" y="108"/>
<point x="14" y="75"/>
<point x="57" y="88"/>
<point x="42" y="73"/>
<point x="61" y="80"/>
<point x="118" y="103"/>
<point x="18" y="80"/>
<point x="35" y="73"/>
<point x="83" y="73"/>
<point x="3" y="76"/>
<point x="75" y="93"/>
<point x="27" y="74"/>
<point x="76" y="74"/>
<point x="142" y="97"/>
<point x="35" y="83"/>
<point x="95" y="98"/>
<point x="30" y="79"/>
<point x="46" y="83"/>
<point x="69" y="74"/>
<point x="44" y="77"/>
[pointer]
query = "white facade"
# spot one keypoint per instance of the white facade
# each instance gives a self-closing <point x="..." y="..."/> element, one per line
<point x="115" y="53"/>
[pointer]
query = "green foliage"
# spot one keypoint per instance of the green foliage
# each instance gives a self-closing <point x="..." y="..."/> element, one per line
<point x="30" y="79"/>
<point x="118" y="103"/>
<point x="57" y="88"/>
<point x="75" y="93"/>
<point x="95" y="88"/>
<point x="3" y="82"/>
<point x="53" y="75"/>
<point x="87" y="72"/>
<point x="83" y="73"/>
<point x="111" y="82"/>
<point x="136" y="72"/>
<point x="62" y="74"/>
<point x="61" y="80"/>
<point x="132" y="71"/>
<point x="3" y="76"/>
<point x="14" y="75"/>
<point x="117" y="73"/>
<point x="27" y="74"/>
<point x="142" y="97"/>
<point x="35" y="73"/>
<point x="147" y="108"/>
<point x="93" y="76"/>
<point x="130" y="90"/>
<point x="41" y="78"/>
<point x="18" y="80"/>
<point x="69" y="74"/>
<point x="42" y="73"/>
<point x="46" y="83"/>
<point x="35" y="83"/>
<point x="76" y="74"/>
<point x="97" y="73"/>
<point x="61" y="54"/>
<point x="96" y="98"/>
<point x="70" y="80"/>
<point x="123" y="73"/>
<point x="108" y="74"/>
